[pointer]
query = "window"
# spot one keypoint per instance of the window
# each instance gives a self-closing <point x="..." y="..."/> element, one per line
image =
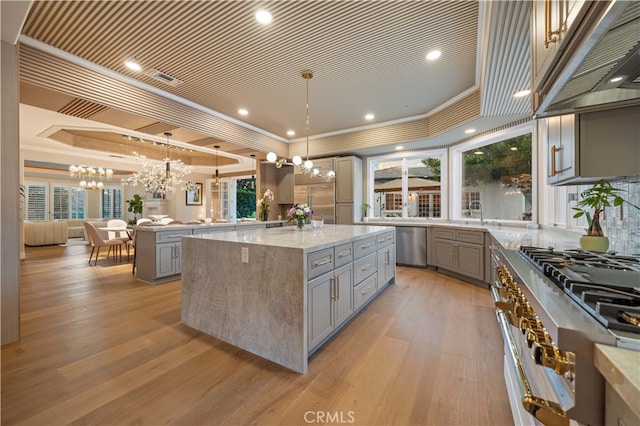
<point x="36" y="202"/>
<point x="494" y="177"/>
<point x="246" y="198"/>
<point x="402" y="185"/>
<point x="111" y="203"/>
<point x="68" y="202"/>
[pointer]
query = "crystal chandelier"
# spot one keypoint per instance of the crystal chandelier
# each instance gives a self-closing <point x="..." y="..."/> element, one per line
<point x="307" y="166"/>
<point x="91" y="177"/>
<point x="158" y="178"/>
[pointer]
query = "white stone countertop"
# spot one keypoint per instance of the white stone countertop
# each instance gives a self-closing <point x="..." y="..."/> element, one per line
<point x="510" y="237"/>
<point x="289" y="236"/>
<point x="621" y="368"/>
<point x="158" y="227"/>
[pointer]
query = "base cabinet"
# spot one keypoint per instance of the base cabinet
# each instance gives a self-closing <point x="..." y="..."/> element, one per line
<point x="330" y="303"/>
<point x="168" y="259"/>
<point x="460" y="251"/>
<point x="342" y="279"/>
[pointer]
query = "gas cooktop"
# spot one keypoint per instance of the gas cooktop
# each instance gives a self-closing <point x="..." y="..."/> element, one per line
<point x="604" y="284"/>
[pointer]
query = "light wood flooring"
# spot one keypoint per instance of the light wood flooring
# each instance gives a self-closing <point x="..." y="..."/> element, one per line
<point x="99" y="347"/>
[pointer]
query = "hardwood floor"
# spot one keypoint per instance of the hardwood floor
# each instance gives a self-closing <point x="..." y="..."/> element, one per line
<point x="99" y="347"/>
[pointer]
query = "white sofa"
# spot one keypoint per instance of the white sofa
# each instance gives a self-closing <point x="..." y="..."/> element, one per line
<point x="44" y="233"/>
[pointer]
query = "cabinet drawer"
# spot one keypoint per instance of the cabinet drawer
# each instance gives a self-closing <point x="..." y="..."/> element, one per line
<point x="474" y="237"/>
<point x="445" y="233"/>
<point x="364" y="267"/>
<point x="364" y="246"/>
<point x="365" y="291"/>
<point x="319" y="262"/>
<point x="173" y="235"/>
<point x="385" y="239"/>
<point x="344" y="254"/>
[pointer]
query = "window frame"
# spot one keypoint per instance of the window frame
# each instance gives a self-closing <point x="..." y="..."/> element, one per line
<point x="405" y="157"/>
<point x="455" y="164"/>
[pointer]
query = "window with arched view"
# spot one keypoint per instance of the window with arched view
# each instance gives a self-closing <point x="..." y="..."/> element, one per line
<point x="497" y="180"/>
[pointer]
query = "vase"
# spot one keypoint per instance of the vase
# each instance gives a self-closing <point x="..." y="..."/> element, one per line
<point x="590" y="243"/>
<point x="300" y="223"/>
<point x="264" y="216"/>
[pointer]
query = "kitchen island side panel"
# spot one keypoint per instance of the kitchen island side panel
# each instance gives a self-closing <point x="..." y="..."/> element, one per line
<point x="259" y="306"/>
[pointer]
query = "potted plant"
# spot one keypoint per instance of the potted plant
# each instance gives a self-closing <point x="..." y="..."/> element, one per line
<point x="593" y="202"/>
<point x="365" y="208"/>
<point x="135" y="207"/>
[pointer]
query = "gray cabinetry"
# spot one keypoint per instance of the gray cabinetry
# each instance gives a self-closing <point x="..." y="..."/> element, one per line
<point x="386" y="257"/>
<point x="460" y="251"/>
<point x="158" y="257"/>
<point x="577" y="144"/>
<point x="285" y="182"/>
<point x="348" y="189"/>
<point x="330" y="303"/>
<point x="342" y="279"/>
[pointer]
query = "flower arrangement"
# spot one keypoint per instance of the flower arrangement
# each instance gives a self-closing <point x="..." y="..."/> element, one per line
<point x="263" y="203"/>
<point x="299" y="213"/>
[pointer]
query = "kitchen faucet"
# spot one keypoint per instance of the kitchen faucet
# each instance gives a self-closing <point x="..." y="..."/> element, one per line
<point x="476" y="203"/>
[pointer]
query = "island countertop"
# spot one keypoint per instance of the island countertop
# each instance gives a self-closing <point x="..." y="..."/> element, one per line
<point x="307" y="239"/>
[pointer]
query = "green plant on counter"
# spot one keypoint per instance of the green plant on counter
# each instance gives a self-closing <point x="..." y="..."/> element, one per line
<point x="365" y="208"/>
<point x="135" y="207"/>
<point x="593" y="201"/>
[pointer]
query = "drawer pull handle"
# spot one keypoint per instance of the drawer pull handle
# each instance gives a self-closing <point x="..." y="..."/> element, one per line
<point x="344" y="253"/>
<point x="365" y="267"/>
<point x="324" y="262"/>
<point x="174" y="236"/>
<point x="365" y="246"/>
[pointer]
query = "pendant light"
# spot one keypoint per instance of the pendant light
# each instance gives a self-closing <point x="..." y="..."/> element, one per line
<point x="253" y="171"/>
<point x="307" y="165"/>
<point x="307" y="74"/>
<point x="217" y="176"/>
<point x="167" y="174"/>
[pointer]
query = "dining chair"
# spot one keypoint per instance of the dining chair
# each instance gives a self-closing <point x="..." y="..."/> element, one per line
<point x="122" y="235"/>
<point x="132" y="243"/>
<point x="97" y="242"/>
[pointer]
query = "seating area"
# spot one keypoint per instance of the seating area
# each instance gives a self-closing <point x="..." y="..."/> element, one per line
<point x="44" y="233"/>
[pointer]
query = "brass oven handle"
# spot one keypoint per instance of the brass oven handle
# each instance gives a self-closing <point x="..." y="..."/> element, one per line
<point x="562" y="362"/>
<point x="550" y="413"/>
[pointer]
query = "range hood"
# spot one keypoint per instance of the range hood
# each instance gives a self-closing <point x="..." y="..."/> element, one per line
<point x="611" y="48"/>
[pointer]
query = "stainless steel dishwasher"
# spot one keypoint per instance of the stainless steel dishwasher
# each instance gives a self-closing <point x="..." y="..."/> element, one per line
<point x="411" y="246"/>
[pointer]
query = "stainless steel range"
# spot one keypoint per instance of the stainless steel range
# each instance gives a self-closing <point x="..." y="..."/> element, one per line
<point x="552" y="307"/>
<point x="604" y="284"/>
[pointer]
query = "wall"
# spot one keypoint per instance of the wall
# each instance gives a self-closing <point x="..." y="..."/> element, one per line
<point x="9" y="195"/>
<point x="623" y="228"/>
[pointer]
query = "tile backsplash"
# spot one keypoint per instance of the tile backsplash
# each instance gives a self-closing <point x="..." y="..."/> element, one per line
<point x="622" y="225"/>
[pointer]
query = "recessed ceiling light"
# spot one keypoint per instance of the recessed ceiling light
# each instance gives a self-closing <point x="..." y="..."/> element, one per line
<point x="291" y="133"/>
<point x="616" y="79"/>
<point x="243" y="111"/>
<point x="434" y="54"/>
<point x="399" y="147"/>
<point x="369" y="117"/>
<point x="522" y="93"/>
<point x="133" y="65"/>
<point x="470" y="131"/>
<point x="263" y="17"/>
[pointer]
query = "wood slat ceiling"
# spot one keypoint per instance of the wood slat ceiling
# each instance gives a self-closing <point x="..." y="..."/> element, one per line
<point x="366" y="57"/>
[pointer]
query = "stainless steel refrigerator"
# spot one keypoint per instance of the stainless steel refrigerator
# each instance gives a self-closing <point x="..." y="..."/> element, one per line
<point x="321" y="196"/>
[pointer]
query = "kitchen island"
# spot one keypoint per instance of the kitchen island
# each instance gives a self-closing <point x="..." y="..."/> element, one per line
<point x="281" y="293"/>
